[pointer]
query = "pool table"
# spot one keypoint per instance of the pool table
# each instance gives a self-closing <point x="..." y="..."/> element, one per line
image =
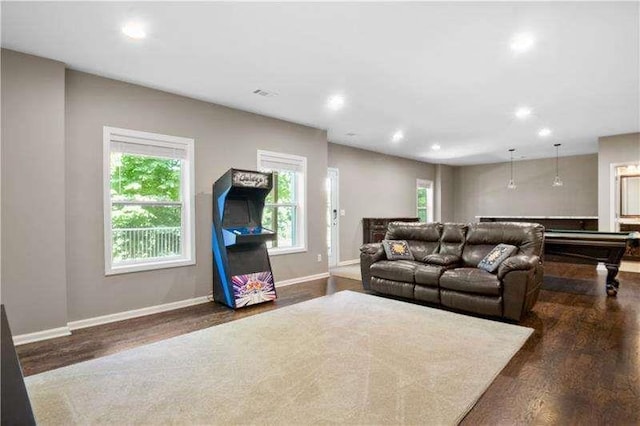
<point x="590" y="247"/>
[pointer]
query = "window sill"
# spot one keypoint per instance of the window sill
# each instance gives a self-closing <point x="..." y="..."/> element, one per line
<point x="286" y="250"/>
<point x="139" y="267"/>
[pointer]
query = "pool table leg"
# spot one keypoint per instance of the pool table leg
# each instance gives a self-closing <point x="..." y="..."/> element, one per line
<point x="612" y="282"/>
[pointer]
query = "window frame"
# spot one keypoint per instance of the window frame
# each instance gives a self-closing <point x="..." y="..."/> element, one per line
<point x="187" y="190"/>
<point x="301" y="225"/>
<point x="428" y="186"/>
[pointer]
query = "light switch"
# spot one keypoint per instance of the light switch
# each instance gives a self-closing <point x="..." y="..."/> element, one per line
<point x="342" y="213"/>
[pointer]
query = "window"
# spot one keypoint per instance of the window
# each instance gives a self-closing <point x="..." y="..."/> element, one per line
<point x="148" y="201"/>
<point x="424" y="200"/>
<point x="284" y="210"/>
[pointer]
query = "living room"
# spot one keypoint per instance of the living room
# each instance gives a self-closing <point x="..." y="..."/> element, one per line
<point x="118" y="118"/>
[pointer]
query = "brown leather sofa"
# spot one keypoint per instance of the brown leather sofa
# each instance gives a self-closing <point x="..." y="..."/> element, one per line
<point x="445" y="270"/>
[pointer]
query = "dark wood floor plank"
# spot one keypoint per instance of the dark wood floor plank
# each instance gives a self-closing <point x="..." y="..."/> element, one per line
<point x="581" y="366"/>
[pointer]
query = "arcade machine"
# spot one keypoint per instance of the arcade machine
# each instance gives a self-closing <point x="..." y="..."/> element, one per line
<point x="242" y="271"/>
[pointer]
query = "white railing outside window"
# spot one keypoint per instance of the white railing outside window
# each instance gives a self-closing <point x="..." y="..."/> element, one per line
<point x="131" y="244"/>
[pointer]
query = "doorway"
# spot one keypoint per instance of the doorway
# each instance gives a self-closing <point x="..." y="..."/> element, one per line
<point x="624" y="210"/>
<point x="333" y="222"/>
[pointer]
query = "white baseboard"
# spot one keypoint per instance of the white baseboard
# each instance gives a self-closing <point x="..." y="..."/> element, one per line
<point x="22" y="339"/>
<point x="302" y="279"/>
<point x="348" y="262"/>
<point x="120" y="316"/>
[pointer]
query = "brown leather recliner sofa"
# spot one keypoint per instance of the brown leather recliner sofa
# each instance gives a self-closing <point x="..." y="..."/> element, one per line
<point x="445" y="271"/>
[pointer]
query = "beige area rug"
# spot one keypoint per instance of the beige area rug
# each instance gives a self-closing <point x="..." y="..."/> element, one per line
<point x="344" y="358"/>
<point x="350" y="271"/>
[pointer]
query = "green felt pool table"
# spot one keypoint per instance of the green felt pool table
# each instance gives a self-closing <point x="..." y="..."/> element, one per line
<point x="591" y="247"/>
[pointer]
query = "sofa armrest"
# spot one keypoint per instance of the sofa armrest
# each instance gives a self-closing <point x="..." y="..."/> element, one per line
<point x="517" y="263"/>
<point x="369" y="254"/>
<point x="442" y="259"/>
<point x="374" y="250"/>
<point x="521" y="278"/>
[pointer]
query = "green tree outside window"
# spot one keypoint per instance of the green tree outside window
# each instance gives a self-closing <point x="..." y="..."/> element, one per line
<point x="146" y="213"/>
<point x="281" y="209"/>
<point x="422" y="204"/>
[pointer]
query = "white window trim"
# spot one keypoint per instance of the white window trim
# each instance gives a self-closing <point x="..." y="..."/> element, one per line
<point x="301" y="225"/>
<point x="337" y="242"/>
<point x="428" y="185"/>
<point x="188" y="176"/>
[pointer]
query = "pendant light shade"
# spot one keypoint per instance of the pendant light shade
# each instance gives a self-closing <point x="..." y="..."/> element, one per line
<point x="512" y="183"/>
<point x="557" y="182"/>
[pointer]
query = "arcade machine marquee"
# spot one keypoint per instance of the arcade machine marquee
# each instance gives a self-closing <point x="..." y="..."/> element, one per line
<point x="242" y="271"/>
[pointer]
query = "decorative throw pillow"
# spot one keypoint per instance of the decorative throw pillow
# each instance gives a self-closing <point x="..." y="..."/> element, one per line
<point x="397" y="250"/>
<point x="495" y="257"/>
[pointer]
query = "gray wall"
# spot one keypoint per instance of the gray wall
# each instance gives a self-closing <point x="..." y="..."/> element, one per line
<point x="224" y="138"/>
<point x="52" y="228"/>
<point x="444" y="195"/>
<point x="482" y="189"/>
<point x="373" y="185"/>
<point x="613" y="150"/>
<point x="34" y="282"/>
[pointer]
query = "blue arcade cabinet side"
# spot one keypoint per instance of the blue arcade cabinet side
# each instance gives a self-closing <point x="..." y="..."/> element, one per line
<point x="241" y="268"/>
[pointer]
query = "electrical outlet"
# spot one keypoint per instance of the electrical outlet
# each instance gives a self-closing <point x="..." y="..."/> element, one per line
<point x="319" y="258"/>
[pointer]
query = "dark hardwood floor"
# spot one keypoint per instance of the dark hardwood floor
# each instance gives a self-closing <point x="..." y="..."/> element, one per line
<point x="581" y="366"/>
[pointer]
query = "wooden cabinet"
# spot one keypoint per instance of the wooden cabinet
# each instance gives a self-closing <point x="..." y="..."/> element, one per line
<point x="375" y="228"/>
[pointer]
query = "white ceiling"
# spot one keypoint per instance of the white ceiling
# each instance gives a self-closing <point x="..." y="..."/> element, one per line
<point x="441" y="72"/>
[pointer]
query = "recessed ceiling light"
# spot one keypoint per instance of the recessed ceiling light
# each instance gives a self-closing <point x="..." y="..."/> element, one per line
<point x="134" y="30"/>
<point x="522" y="42"/>
<point x="335" y="102"/>
<point x="397" y="136"/>
<point x="543" y="133"/>
<point x="436" y="147"/>
<point x="523" y="113"/>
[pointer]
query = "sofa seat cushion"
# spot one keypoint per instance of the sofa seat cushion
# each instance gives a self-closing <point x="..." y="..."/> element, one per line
<point x="395" y="270"/>
<point x="429" y="275"/>
<point x="393" y="288"/>
<point x="426" y="294"/>
<point x="480" y="304"/>
<point x="471" y="280"/>
<point x="442" y="259"/>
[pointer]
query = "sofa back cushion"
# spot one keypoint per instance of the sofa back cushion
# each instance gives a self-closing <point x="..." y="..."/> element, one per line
<point x="423" y="238"/>
<point x="483" y="237"/>
<point x="453" y="238"/>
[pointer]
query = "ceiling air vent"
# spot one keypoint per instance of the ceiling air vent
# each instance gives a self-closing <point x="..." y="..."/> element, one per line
<point x="264" y="93"/>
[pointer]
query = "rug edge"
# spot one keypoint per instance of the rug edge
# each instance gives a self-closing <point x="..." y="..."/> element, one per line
<point x="514" y="352"/>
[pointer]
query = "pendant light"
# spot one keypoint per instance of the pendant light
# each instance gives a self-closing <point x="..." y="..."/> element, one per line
<point x="512" y="184"/>
<point x="557" y="182"/>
